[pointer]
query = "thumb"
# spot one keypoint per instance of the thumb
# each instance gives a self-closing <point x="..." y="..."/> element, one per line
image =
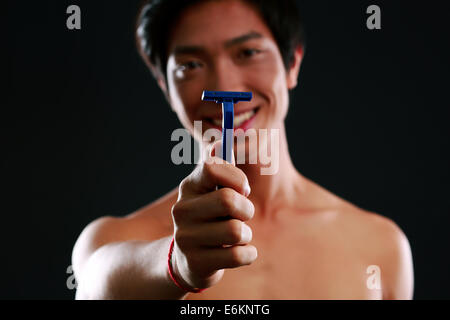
<point x="215" y="150"/>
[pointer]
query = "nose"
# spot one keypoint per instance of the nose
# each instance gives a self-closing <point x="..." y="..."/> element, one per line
<point x="226" y="76"/>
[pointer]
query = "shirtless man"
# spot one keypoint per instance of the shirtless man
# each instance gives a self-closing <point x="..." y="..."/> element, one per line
<point x="286" y="238"/>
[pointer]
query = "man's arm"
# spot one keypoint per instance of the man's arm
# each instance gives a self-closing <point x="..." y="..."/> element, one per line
<point x="108" y="266"/>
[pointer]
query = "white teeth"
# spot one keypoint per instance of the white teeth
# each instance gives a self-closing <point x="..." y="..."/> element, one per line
<point x="238" y="120"/>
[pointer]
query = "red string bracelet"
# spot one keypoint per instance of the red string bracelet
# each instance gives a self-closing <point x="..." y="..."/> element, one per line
<point x="169" y="264"/>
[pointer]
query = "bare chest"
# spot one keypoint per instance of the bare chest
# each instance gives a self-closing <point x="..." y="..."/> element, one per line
<point x="298" y="265"/>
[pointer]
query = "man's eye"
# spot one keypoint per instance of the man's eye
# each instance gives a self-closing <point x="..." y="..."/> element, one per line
<point x="189" y="68"/>
<point x="188" y="65"/>
<point x="246" y="53"/>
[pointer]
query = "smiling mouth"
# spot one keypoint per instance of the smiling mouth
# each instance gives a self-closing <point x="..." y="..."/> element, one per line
<point x="238" y="119"/>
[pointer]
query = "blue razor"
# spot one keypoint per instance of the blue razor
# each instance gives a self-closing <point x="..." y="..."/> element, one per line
<point x="227" y="99"/>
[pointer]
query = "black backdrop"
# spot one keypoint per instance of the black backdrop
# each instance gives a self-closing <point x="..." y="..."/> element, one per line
<point x="85" y="132"/>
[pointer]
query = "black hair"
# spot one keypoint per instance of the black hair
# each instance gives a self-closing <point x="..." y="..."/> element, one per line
<point x="156" y="18"/>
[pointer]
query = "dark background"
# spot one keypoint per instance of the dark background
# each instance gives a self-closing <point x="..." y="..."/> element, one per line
<point x="85" y="131"/>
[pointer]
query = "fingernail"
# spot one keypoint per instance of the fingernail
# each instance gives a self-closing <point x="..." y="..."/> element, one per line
<point x="247" y="189"/>
<point x="246" y="233"/>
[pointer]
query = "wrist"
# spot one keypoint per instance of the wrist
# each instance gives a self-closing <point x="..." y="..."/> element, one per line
<point x="174" y="274"/>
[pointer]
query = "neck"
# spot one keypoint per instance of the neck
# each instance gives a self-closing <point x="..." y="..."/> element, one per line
<point x="280" y="189"/>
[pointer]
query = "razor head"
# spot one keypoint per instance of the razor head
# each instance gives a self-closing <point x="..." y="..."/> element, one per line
<point x="226" y="96"/>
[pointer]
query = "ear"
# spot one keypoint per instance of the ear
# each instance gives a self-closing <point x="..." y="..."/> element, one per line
<point x="159" y="77"/>
<point x="162" y="85"/>
<point x="292" y="74"/>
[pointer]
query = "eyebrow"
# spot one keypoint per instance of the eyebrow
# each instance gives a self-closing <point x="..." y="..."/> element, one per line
<point x="228" y="43"/>
<point x="243" y="38"/>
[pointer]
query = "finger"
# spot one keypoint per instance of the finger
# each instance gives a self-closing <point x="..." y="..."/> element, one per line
<point x="207" y="176"/>
<point x="213" y="205"/>
<point x="209" y="260"/>
<point x="215" y="151"/>
<point x="215" y="234"/>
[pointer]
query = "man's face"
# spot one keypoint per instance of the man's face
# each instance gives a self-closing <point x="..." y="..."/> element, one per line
<point x="226" y="46"/>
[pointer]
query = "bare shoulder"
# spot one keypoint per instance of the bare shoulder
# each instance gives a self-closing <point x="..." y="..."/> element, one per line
<point x="366" y="229"/>
<point x="147" y="224"/>
<point x="383" y="243"/>
<point x="375" y="239"/>
<point x="378" y="231"/>
<point x="373" y="226"/>
<point x="356" y="222"/>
